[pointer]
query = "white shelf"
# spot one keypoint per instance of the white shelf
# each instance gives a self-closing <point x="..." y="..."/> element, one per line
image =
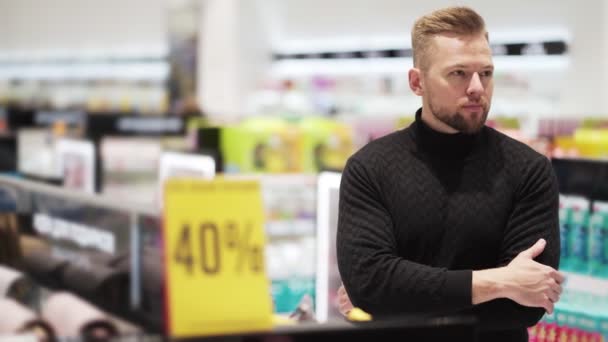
<point x="586" y="284"/>
<point x="152" y="71"/>
<point x="291" y="228"/>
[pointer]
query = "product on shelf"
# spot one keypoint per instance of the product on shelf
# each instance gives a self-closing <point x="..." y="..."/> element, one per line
<point x="262" y="144"/>
<point x="17" y="286"/>
<point x="291" y="272"/>
<point x="18" y="319"/>
<point x="3" y="119"/>
<point x="76" y="164"/>
<point x="130" y="168"/>
<point x="36" y="153"/>
<point x="564" y="231"/>
<point x="598" y="240"/>
<point x="287" y="145"/>
<point x="582" y="312"/>
<point x="10" y="251"/>
<point x="71" y="316"/>
<point x="592" y="142"/>
<point x="326" y="144"/>
<point x="578" y="235"/>
<point x="583" y="235"/>
<point x="289" y="207"/>
<point x="43" y="267"/>
<point x="97" y="282"/>
<point x="552" y="332"/>
<point x="567" y="324"/>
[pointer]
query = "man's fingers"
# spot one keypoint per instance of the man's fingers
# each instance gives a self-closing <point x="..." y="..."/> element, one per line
<point x="345" y="308"/>
<point x="553" y="296"/>
<point x="345" y="300"/>
<point x="555" y="292"/>
<point x="347" y="305"/>
<point x="556" y="288"/>
<point x="344" y="303"/>
<point x="548" y="305"/>
<point x="559" y="277"/>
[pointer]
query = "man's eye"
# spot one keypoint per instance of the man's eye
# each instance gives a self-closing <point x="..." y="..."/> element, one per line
<point x="487" y="73"/>
<point x="459" y="73"/>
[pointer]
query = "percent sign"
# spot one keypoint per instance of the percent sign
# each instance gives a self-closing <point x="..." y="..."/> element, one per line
<point x="236" y="240"/>
<point x="241" y="243"/>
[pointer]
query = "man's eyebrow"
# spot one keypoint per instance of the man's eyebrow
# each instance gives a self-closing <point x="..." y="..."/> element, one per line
<point x="462" y="66"/>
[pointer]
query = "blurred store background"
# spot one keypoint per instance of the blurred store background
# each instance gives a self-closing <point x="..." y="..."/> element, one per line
<point x="97" y="96"/>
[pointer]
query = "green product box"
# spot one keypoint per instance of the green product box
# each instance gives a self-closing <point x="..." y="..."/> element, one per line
<point x="326" y="144"/>
<point x="261" y="144"/>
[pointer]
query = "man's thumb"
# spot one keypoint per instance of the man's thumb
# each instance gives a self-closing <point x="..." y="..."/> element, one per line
<point x="535" y="250"/>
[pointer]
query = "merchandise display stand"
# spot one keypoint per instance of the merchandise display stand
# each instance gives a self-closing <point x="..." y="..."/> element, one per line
<point x="582" y="312"/>
<point x="88" y="245"/>
<point x="52" y="219"/>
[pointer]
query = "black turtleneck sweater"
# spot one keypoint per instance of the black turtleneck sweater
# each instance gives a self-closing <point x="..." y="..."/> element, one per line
<point x="420" y="210"/>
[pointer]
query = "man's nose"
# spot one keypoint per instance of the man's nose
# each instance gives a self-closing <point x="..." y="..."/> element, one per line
<point x="475" y="88"/>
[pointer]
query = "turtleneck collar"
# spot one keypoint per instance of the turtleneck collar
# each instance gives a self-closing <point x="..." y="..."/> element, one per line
<point x="445" y="145"/>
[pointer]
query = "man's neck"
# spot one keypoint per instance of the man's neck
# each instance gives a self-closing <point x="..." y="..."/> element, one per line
<point x="431" y="120"/>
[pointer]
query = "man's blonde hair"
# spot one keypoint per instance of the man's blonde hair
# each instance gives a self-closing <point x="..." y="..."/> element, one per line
<point x="456" y="20"/>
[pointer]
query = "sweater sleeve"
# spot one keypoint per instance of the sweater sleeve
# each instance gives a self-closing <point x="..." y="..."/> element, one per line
<point x="534" y="216"/>
<point x="375" y="277"/>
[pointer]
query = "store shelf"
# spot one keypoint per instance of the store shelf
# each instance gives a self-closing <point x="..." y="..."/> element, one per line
<point x="586" y="284"/>
<point x="136" y="70"/>
<point x="297" y="227"/>
<point x="584" y="304"/>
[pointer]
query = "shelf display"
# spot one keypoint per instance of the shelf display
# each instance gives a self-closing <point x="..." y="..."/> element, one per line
<point x="130" y="168"/>
<point x="76" y="164"/>
<point x="582" y="312"/>
<point x="36" y="153"/>
<point x="290" y="206"/>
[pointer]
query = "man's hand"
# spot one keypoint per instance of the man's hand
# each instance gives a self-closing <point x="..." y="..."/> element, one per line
<point x="531" y="283"/>
<point x="343" y="301"/>
<point x="524" y="281"/>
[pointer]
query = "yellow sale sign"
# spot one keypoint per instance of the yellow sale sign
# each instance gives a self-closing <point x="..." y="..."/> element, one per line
<point x="214" y="258"/>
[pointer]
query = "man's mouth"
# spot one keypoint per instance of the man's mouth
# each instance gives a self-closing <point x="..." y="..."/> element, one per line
<point x="476" y="107"/>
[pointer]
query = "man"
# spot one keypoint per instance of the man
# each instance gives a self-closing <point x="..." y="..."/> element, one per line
<point x="448" y="215"/>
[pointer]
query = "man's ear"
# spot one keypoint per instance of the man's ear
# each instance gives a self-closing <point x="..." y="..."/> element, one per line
<point x="416" y="82"/>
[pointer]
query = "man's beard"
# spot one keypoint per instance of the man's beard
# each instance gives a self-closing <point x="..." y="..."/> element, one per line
<point x="458" y="121"/>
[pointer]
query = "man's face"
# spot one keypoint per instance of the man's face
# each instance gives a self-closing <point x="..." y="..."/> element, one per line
<point x="457" y="84"/>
